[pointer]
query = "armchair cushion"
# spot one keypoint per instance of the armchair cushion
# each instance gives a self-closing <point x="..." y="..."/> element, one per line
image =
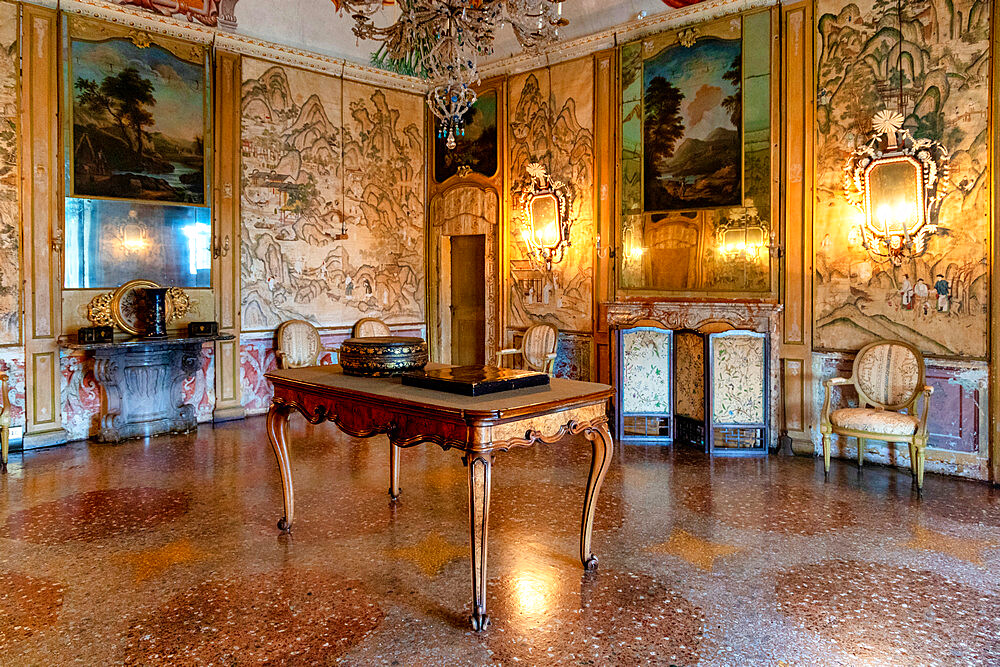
<point x="874" y="421"/>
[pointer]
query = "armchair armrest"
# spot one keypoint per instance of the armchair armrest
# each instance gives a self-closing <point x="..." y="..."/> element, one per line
<point x="509" y="350"/>
<point x="827" y="385"/>
<point x="926" y="393"/>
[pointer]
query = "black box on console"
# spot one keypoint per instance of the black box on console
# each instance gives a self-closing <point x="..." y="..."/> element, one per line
<point x="199" y="329"/>
<point x="96" y="335"/>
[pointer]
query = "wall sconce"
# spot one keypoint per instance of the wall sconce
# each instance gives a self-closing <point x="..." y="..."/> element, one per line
<point x="545" y="204"/>
<point x="633" y="251"/>
<point x="603" y="252"/>
<point x="746" y="238"/>
<point x="898" y="182"/>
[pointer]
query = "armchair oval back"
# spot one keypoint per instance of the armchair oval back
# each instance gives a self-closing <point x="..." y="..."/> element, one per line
<point x="539" y="341"/>
<point x="299" y="344"/>
<point x="889" y="374"/>
<point x="367" y="327"/>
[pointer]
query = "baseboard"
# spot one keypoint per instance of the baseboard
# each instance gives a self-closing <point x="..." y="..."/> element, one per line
<point x="228" y="414"/>
<point x="44" y="439"/>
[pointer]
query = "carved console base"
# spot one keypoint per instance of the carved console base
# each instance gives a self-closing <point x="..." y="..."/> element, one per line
<point x="142" y="390"/>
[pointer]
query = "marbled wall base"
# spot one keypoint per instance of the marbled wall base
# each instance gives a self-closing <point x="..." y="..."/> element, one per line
<point x="12" y="363"/>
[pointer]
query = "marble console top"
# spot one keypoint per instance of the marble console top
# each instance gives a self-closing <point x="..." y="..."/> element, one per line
<point x="138" y="342"/>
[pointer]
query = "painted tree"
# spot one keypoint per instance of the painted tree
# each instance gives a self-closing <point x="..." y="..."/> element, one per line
<point x="663" y="125"/>
<point x="125" y="98"/>
<point x="734" y="103"/>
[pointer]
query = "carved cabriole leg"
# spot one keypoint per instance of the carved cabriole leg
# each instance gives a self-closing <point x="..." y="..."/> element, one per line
<point x="480" y="465"/>
<point x="277" y="433"/>
<point x="393" y="471"/>
<point x="602" y="447"/>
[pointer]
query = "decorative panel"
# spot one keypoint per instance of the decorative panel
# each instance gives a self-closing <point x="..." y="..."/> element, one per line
<point x="943" y="93"/>
<point x="332" y="200"/>
<point x="10" y="215"/>
<point x="738" y="378"/>
<point x="550" y="120"/>
<point x="696" y="159"/>
<point x="646" y="371"/>
<point x="574" y="357"/>
<point x="689" y="382"/>
<point x="12" y="363"/>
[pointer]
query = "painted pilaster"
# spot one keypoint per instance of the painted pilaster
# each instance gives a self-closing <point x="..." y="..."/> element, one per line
<point x="42" y="195"/>
<point x="226" y="241"/>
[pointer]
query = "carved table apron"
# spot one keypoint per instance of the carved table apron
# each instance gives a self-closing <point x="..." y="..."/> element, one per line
<point x="477" y="426"/>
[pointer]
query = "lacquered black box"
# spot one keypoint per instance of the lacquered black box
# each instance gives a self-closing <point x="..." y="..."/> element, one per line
<point x="474" y="380"/>
<point x="96" y="335"/>
<point x="198" y="329"/>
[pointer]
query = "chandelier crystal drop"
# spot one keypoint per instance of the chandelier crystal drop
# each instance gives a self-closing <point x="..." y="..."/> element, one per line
<point x="443" y="40"/>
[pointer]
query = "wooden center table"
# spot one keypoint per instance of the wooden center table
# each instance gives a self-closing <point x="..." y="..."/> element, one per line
<point x="478" y="427"/>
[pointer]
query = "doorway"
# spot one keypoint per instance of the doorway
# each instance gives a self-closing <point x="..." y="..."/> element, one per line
<point x="468" y="299"/>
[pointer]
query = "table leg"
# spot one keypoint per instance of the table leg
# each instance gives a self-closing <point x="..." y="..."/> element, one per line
<point x="393" y="471"/>
<point x="277" y="433"/>
<point x="480" y="466"/>
<point x="602" y="446"/>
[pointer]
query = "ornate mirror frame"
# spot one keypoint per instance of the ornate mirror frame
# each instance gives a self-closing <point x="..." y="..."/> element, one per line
<point x="538" y="185"/>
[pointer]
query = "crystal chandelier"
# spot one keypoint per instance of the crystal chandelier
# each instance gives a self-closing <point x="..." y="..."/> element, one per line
<point x="442" y="41"/>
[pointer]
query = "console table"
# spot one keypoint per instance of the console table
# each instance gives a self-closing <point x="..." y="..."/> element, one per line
<point x="142" y="381"/>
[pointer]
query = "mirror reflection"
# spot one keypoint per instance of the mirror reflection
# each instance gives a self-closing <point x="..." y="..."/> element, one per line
<point x="111" y="242"/>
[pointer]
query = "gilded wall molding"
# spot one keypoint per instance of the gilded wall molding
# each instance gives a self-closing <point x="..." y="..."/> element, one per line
<point x="242" y="44"/>
<point x="608" y="39"/>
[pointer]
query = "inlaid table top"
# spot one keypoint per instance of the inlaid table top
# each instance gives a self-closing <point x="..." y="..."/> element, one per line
<point x="559" y="394"/>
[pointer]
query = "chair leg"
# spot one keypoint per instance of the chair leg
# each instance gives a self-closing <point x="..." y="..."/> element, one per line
<point x="861" y="452"/>
<point x="920" y="465"/>
<point x="913" y="459"/>
<point x="4" y="445"/>
<point x="826" y="456"/>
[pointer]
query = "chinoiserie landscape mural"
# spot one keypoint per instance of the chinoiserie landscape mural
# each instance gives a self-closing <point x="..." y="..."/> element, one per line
<point x="10" y="279"/>
<point x="332" y="200"/>
<point x="551" y="122"/>
<point x="938" y="301"/>
<point x="139" y="111"/>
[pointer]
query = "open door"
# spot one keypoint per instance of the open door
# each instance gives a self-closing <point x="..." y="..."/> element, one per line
<point x="468" y="299"/>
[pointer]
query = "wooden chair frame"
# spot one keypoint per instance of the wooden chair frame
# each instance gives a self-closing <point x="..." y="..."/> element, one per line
<point x="548" y="365"/>
<point x="917" y="441"/>
<point x="280" y="354"/>
<point x="5" y="420"/>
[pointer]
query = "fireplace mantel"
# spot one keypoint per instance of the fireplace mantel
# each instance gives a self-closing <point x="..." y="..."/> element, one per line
<point x="760" y="316"/>
<point x="702" y="316"/>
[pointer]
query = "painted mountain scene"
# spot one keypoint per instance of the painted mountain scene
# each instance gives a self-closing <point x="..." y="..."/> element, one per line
<point x="138" y="122"/>
<point x="937" y="300"/>
<point x="332" y="200"/>
<point x="691" y="125"/>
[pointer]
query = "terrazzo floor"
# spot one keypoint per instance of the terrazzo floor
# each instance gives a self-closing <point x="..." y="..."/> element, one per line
<point x="165" y="552"/>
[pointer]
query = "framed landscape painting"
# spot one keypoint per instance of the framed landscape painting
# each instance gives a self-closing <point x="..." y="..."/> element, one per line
<point x="476" y="149"/>
<point x="691" y="125"/>
<point x="139" y="113"/>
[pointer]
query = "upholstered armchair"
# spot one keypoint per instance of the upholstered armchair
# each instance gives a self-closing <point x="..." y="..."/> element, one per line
<point x="889" y="379"/>
<point x="368" y="327"/>
<point x="299" y="345"/>
<point x="5" y="420"/>
<point x="538" y="349"/>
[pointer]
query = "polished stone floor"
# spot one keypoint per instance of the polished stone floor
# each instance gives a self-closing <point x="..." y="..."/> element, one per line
<point x="166" y="552"/>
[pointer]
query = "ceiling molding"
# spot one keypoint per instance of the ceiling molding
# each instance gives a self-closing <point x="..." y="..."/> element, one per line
<point x="606" y="39"/>
<point x="249" y="46"/>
